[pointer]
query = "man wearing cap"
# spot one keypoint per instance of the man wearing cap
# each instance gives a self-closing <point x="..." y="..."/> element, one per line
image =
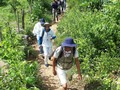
<point x="46" y="37"/>
<point x="37" y="30"/>
<point x="63" y="61"/>
<point x="55" y="10"/>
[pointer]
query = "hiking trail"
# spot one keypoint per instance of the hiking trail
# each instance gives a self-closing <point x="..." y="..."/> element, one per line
<point x="51" y="82"/>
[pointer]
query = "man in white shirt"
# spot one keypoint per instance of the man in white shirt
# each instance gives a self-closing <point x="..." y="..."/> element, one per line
<point x="37" y="31"/>
<point x="46" y="37"/>
<point x="63" y="61"/>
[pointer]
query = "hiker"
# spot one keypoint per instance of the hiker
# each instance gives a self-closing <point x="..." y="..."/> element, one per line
<point x="55" y="10"/>
<point x="63" y="61"/>
<point x="62" y="5"/>
<point x="37" y="30"/>
<point x="59" y="6"/>
<point x="46" y="37"/>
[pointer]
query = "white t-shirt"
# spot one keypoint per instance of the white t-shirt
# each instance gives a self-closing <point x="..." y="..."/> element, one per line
<point x="37" y="30"/>
<point x="47" y="38"/>
<point x="66" y="54"/>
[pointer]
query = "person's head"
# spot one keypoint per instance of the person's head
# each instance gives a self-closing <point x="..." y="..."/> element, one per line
<point x="68" y="44"/>
<point x="47" y="26"/>
<point x="66" y="48"/>
<point x="42" y="21"/>
<point x="54" y="0"/>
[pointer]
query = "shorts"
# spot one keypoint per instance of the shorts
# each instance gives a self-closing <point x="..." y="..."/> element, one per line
<point x="62" y="74"/>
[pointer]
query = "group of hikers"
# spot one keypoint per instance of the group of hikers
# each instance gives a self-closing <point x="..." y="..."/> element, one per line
<point x="62" y="57"/>
<point x="58" y="7"/>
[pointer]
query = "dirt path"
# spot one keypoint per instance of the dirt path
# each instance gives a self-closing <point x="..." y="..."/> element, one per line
<point x="51" y="82"/>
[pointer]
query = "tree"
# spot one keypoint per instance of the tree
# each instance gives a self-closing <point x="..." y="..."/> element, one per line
<point x="30" y="2"/>
<point x="3" y="3"/>
<point x="14" y="5"/>
<point x="0" y="35"/>
<point x="23" y="5"/>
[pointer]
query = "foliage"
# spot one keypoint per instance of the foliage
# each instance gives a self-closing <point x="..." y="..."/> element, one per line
<point x="97" y="37"/>
<point x="20" y="75"/>
<point x="2" y="3"/>
<point x="33" y="11"/>
<point x="9" y="45"/>
<point x="41" y="8"/>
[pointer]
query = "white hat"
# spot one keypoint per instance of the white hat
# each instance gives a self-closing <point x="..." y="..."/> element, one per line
<point x="47" y="24"/>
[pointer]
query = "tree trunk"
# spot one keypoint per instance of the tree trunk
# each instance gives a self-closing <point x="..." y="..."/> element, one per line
<point x="0" y="34"/>
<point x="18" y="27"/>
<point x="17" y="20"/>
<point x="23" y="21"/>
<point x="16" y="16"/>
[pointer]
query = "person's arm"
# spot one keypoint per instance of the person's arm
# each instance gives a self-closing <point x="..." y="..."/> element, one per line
<point x="40" y="41"/>
<point x="53" y="35"/>
<point x="54" y="65"/>
<point x="41" y="36"/>
<point x="34" y="30"/>
<point x="78" y="68"/>
<point x="54" y="59"/>
<point x="77" y="64"/>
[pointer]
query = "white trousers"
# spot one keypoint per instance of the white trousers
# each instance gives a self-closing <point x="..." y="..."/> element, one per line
<point x="63" y="75"/>
<point x="47" y="53"/>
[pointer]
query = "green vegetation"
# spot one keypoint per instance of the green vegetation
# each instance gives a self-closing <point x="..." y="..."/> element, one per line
<point x="17" y="18"/>
<point x="18" y="73"/>
<point x="94" y="25"/>
<point x="96" y="30"/>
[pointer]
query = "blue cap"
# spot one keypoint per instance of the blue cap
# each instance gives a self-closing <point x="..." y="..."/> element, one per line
<point x="68" y="42"/>
<point x="42" y="21"/>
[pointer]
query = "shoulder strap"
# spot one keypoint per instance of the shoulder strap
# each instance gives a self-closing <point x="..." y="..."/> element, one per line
<point x="61" y="53"/>
<point x="74" y="49"/>
<point x="43" y="33"/>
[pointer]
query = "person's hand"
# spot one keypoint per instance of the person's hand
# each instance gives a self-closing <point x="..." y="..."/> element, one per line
<point x="79" y="76"/>
<point x="51" y="38"/>
<point x="54" y="72"/>
<point x="40" y="46"/>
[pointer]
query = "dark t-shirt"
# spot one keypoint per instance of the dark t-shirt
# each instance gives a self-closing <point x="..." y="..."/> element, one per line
<point x="54" y="5"/>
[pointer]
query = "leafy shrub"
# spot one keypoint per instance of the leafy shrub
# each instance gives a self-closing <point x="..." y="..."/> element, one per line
<point x="9" y="45"/>
<point x="97" y="37"/>
<point x="20" y="74"/>
<point x="41" y="8"/>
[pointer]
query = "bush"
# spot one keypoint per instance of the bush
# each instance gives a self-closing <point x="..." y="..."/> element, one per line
<point x="19" y="75"/>
<point x="97" y="37"/>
